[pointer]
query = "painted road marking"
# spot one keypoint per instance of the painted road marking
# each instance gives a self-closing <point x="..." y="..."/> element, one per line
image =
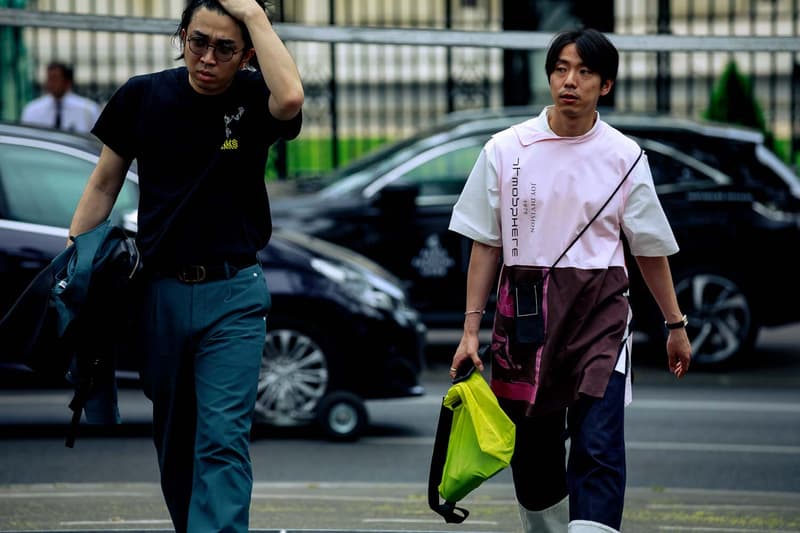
<point x="769" y="449"/>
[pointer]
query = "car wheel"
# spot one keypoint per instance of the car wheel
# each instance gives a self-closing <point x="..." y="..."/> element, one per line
<point x="342" y="416"/>
<point x="294" y="376"/>
<point x="721" y="322"/>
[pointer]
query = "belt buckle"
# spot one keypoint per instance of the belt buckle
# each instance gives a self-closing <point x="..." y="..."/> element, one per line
<point x="192" y="274"/>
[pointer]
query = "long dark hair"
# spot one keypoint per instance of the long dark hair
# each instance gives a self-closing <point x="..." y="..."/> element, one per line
<point x="213" y="5"/>
<point x="595" y="50"/>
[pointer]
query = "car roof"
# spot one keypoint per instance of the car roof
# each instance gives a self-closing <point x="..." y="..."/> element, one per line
<point x="86" y="142"/>
<point x="485" y="121"/>
<point x="481" y="119"/>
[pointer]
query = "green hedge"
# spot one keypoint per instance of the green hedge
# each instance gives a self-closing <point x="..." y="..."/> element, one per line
<point x="313" y="157"/>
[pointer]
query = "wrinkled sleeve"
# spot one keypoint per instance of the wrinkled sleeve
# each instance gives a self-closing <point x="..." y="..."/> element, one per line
<point x="645" y="225"/>
<point x="476" y="214"/>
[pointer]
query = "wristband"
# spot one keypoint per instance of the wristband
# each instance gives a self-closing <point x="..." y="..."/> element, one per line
<point x="475" y="312"/>
<point x="682" y="323"/>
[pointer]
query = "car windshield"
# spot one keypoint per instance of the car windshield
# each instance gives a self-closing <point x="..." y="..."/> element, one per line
<point x="356" y="175"/>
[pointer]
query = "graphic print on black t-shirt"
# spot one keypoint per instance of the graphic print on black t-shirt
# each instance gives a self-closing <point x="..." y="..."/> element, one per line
<point x="231" y="143"/>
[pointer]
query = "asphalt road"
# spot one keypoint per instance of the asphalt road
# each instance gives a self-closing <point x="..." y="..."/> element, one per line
<point x="716" y="451"/>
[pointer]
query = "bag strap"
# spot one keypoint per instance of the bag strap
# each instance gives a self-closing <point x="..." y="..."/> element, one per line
<point x="597" y="214"/>
<point x="77" y="404"/>
<point x="447" y="510"/>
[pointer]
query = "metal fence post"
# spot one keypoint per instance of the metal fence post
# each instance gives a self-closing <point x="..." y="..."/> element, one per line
<point x="332" y="91"/>
<point x="15" y="85"/>
<point x="279" y="156"/>
<point x="663" y="74"/>
<point x="517" y="88"/>
<point x="794" y="149"/>
<point x="451" y="86"/>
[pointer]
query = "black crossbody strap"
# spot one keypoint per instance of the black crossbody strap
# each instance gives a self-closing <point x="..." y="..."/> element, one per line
<point x="597" y="214"/>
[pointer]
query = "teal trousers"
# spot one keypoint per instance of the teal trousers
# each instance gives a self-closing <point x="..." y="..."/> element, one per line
<point x="202" y="347"/>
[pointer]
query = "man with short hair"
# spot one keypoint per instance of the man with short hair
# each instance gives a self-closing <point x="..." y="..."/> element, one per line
<point x="551" y="197"/>
<point x="61" y="108"/>
<point x="200" y="134"/>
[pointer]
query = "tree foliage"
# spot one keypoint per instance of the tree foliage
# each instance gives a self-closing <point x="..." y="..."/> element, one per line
<point x="733" y="101"/>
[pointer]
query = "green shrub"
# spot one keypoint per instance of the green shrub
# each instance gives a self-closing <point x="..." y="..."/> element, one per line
<point x="733" y="101"/>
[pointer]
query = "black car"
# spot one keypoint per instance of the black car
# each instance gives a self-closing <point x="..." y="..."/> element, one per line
<point x="340" y="329"/>
<point x="733" y="204"/>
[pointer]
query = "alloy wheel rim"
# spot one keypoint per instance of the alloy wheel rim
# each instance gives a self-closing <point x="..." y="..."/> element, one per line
<point x="719" y="316"/>
<point x="292" y="380"/>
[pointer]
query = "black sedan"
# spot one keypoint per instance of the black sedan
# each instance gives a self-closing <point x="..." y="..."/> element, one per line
<point x="733" y="205"/>
<point x="340" y="329"/>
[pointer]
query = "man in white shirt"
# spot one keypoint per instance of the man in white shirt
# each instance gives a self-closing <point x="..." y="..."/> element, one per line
<point x="60" y="108"/>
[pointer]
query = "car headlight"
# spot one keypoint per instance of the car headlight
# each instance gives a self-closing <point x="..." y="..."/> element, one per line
<point x="355" y="283"/>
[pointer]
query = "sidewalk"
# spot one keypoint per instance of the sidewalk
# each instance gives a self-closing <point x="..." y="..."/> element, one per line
<point x="377" y="507"/>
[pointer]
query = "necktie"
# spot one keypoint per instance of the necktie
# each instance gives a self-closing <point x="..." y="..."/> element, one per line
<point x="58" y="114"/>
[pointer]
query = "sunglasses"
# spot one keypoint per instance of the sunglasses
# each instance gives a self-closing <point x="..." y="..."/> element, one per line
<point x="223" y="52"/>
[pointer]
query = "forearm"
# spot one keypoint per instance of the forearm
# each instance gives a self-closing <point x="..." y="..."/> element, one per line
<point x="658" y="278"/>
<point x="480" y="281"/>
<point x="93" y="208"/>
<point x="277" y="66"/>
<point x="101" y="192"/>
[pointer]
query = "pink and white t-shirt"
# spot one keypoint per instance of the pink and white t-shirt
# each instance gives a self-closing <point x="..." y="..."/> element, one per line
<point x="531" y="192"/>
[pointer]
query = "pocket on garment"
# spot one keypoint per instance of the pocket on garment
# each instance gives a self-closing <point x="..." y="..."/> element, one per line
<point x="528" y="312"/>
<point x="249" y="287"/>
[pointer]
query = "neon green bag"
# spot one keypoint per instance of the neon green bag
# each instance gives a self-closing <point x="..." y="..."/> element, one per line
<point x="476" y="439"/>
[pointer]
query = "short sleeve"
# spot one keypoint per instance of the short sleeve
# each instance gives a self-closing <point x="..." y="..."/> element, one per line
<point x="476" y="214"/>
<point x="291" y="128"/>
<point x="257" y="91"/>
<point x="116" y="126"/>
<point x="644" y="223"/>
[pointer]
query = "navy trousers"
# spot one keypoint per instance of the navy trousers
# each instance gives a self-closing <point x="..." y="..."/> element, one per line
<point x="594" y="473"/>
<point x="203" y="344"/>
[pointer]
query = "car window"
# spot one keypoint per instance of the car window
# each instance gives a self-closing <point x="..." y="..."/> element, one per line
<point x="672" y="169"/>
<point x="360" y="174"/>
<point x="445" y="174"/>
<point x="666" y="170"/>
<point x="42" y="186"/>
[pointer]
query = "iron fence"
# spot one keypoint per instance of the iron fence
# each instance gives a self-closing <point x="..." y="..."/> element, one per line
<point x="377" y="70"/>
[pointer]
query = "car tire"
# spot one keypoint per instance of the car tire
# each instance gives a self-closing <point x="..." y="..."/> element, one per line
<point x="722" y="322"/>
<point x="342" y="416"/>
<point x="294" y="375"/>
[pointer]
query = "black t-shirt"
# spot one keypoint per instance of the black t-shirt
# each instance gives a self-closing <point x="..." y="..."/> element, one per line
<point x="178" y="137"/>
